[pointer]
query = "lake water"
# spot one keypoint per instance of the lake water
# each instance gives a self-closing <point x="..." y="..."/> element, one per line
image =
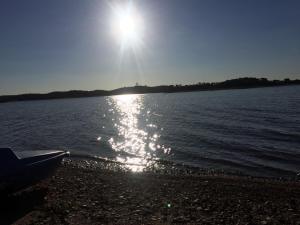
<point x="252" y="131"/>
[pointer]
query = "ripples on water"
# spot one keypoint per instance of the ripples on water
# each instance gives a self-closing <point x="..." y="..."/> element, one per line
<point x="137" y="142"/>
<point x="253" y="131"/>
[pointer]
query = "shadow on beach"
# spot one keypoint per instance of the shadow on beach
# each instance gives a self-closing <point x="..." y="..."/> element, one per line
<point x="14" y="207"/>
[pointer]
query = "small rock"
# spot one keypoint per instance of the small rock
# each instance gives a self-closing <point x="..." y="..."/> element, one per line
<point x="196" y="200"/>
<point x="180" y="219"/>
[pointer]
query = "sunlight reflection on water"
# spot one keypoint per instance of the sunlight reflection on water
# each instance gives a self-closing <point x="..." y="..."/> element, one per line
<point x="136" y="143"/>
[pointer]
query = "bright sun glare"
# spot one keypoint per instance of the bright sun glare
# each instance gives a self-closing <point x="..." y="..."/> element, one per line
<point x="127" y="25"/>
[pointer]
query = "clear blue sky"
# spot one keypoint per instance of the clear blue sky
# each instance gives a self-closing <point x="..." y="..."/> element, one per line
<point x="67" y="44"/>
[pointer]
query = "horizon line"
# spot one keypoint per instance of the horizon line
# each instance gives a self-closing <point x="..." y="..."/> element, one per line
<point x="140" y="85"/>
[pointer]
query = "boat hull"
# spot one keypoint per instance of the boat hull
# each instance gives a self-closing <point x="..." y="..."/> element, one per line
<point x="30" y="170"/>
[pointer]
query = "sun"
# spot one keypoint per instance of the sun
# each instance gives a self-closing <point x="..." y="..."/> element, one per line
<point x="127" y="25"/>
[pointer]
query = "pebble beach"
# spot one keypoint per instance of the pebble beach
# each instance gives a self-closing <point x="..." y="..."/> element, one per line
<point x="86" y="192"/>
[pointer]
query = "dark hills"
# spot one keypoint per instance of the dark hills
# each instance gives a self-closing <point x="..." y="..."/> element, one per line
<point x="246" y="82"/>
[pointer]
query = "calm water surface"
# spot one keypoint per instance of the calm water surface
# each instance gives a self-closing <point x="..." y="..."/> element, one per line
<point x="252" y="131"/>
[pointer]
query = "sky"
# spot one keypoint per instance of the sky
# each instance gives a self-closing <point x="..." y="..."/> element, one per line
<point x="60" y="45"/>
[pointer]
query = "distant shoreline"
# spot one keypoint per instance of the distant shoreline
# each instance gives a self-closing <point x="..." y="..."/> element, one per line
<point x="240" y="83"/>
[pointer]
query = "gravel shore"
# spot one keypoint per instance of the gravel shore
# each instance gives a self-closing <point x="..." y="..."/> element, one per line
<point x="83" y="194"/>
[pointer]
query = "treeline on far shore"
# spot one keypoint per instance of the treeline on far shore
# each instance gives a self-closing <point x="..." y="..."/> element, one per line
<point x="239" y="83"/>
